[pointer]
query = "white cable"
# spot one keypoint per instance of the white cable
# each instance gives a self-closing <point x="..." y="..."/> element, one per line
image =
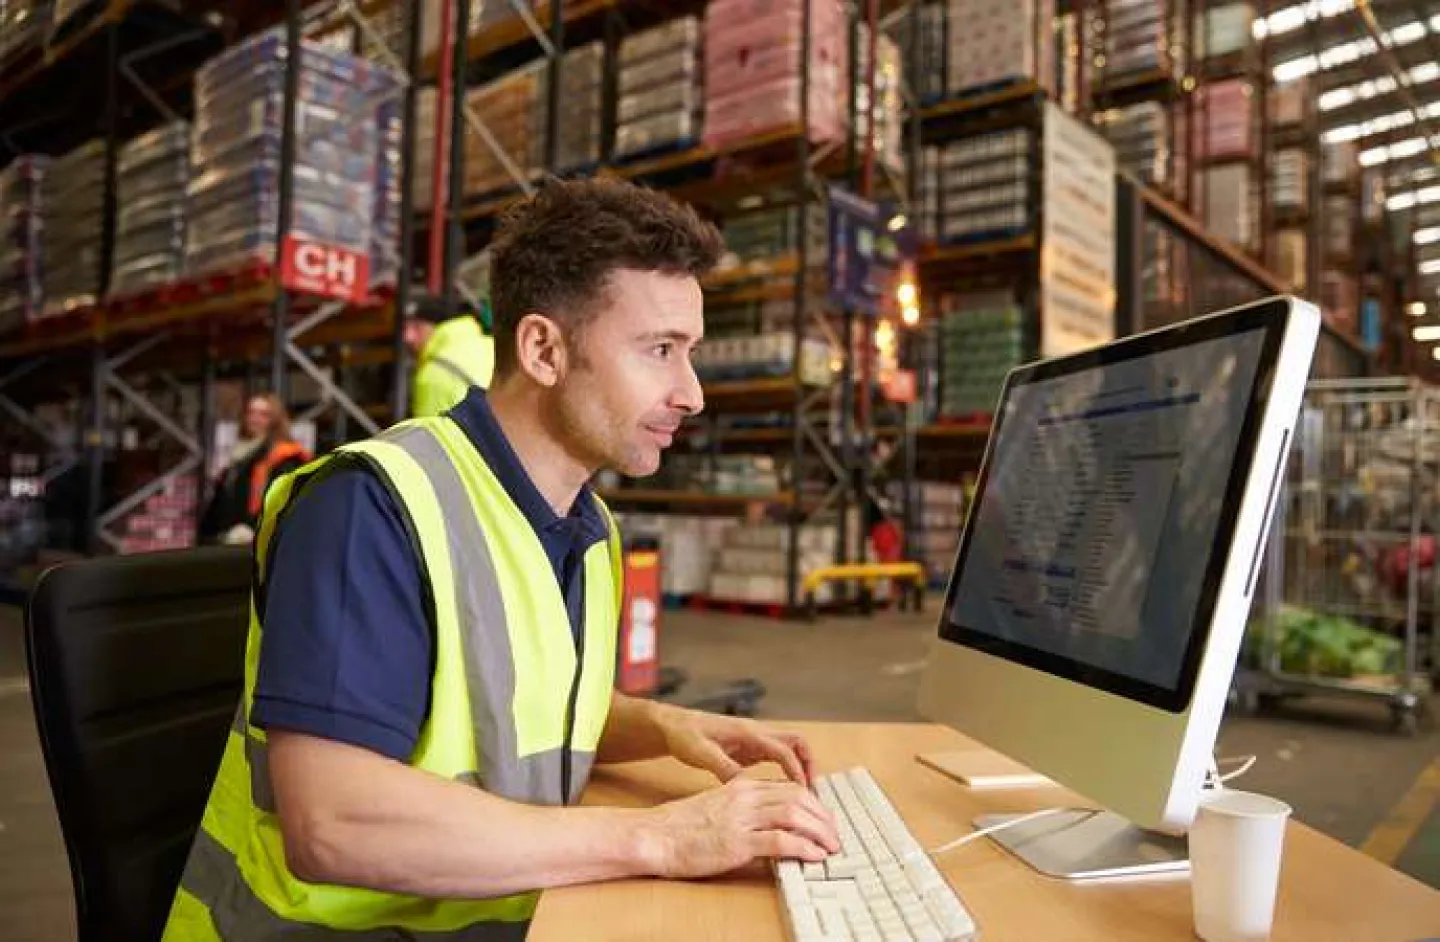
<point x="983" y="832"/>
<point x="1215" y="781"/>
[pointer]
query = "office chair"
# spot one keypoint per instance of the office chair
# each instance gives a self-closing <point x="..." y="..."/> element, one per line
<point x="136" y="665"/>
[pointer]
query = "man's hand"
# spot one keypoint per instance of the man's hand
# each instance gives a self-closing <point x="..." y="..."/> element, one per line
<point x="728" y="827"/>
<point x="726" y="745"/>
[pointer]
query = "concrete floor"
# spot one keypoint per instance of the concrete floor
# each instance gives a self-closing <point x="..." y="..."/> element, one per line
<point x="1335" y="763"/>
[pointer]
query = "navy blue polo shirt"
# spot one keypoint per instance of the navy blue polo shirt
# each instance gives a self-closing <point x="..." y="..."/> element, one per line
<point x="348" y="653"/>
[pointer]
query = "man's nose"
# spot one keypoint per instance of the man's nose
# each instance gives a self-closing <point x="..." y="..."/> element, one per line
<point x="690" y="394"/>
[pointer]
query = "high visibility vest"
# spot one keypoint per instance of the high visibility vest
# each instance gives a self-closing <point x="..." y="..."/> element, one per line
<point x="517" y="706"/>
<point x="458" y="355"/>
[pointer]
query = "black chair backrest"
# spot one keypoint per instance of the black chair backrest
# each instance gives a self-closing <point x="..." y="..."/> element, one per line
<point x="136" y="665"/>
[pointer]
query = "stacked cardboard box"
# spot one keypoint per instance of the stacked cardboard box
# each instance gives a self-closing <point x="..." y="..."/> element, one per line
<point x="751" y="563"/>
<point x="1290" y="179"/>
<point x="776" y="315"/>
<point x="1140" y="36"/>
<point x="1225" y="118"/>
<point x="929" y="61"/>
<point x="152" y="173"/>
<point x="661" y="101"/>
<point x="1223" y="30"/>
<point x="768" y="354"/>
<point x="167" y="520"/>
<point x="688" y="545"/>
<point x="990" y="41"/>
<point x="1291" y="103"/>
<point x="1291" y="259"/>
<point x="771" y="233"/>
<point x="981" y="185"/>
<point x="74" y="210"/>
<point x="939" y="514"/>
<point x="752" y="68"/>
<point x="235" y="156"/>
<point x="582" y="105"/>
<point x="509" y="108"/>
<point x="22" y="289"/>
<point x="1340" y="301"/>
<point x="1339" y="163"/>
<point x="1069" y="52"/>
<point x="1338" y="219"/>
<point x="981" y="340"/>
<point x="1142" y="137"/>
<point x="1230" y="204"/>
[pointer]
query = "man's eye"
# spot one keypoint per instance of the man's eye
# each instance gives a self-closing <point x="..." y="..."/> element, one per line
<point x="664" y="350"/>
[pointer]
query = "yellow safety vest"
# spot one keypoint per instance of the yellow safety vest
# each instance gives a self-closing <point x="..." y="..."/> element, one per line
<point x="458" y="355"/>
<point x="516" y="708"/>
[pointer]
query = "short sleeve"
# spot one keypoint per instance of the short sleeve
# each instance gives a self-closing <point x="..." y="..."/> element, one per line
<point x="347" y="649"/>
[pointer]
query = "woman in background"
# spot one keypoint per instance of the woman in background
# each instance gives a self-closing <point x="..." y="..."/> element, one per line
<point x="266" y="450"/>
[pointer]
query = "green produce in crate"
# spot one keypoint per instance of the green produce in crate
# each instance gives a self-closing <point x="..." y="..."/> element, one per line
<point x="1314" y="644"/>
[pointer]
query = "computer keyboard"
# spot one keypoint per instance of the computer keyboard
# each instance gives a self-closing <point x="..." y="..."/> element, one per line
<point x="880" y="887"/>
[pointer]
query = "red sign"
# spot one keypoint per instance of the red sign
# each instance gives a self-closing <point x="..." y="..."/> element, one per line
<point x="638" y="671"/>
<point x="899" y="386"/>
<point x="328" y="270"/>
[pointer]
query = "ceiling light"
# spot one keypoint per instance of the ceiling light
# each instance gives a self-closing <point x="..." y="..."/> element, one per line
<point x="1347" y="52"/>
<point x="1426" y="334"/>
<point x="1431" y="267"/>
<point x="1416" y="308"/>
<point x="1427" y="236"/>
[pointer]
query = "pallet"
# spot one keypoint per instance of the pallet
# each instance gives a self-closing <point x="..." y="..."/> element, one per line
<point x="657" y="150"/>
<point x="773" y="610"/>
<point x="984" y="88"/>
<point x="250" y="274"/>
<point x="966" y="420"/>
<point x="65" y="322"/>
<point x="979" y="238"/>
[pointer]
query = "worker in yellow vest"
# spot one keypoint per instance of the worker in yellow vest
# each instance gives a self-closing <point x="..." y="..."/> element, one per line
<point x="452" y="353"/>
<point x="429" y="671"/>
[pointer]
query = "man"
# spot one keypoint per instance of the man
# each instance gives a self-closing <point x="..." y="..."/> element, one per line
<point x="429" y="671"/>
<point x="452" y="354"/>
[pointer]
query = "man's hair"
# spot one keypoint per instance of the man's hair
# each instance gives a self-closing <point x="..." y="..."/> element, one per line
<point x="555" y="252"/>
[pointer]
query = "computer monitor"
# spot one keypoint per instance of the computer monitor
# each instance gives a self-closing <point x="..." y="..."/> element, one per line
<point x="1103" y="580"/>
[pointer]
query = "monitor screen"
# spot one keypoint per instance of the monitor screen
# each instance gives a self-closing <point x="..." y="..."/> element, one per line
<point x="1096" y="543"/>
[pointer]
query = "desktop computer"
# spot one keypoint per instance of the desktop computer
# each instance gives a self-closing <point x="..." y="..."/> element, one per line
<point x="1102" y="585"/>
<point x="1094" y="615"/>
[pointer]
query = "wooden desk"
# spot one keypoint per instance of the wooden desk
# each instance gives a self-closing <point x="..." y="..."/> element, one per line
<point x="1328" y="892"/>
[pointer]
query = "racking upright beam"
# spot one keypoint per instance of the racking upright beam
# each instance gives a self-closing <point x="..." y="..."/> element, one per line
<point x="399" y="390"/>
<point x="285" y="216"/>
<point x="802" y="290"/>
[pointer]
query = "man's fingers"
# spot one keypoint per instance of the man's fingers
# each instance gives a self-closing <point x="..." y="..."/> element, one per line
<point x="801" y="749"/>
<point x="786" y="846"/>
<point x="800" y="816"/>
<point x="716" y="761"/>
<point x="780" y="752"/>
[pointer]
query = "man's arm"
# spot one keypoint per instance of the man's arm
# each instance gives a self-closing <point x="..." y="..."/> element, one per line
<point x="633" y="730"/>
<point x="352" y="817"/>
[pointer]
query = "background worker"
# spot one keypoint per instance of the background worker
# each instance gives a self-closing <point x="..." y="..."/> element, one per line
<point x="452" y="354"/>
<point x="264" y="452"/>
<point x="432" y="644"/>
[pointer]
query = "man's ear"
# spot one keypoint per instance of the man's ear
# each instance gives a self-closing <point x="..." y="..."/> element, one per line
<point x="540" y="349"/>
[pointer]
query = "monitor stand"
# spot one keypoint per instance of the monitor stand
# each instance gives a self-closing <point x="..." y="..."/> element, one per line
<point x="1081" y="844"/>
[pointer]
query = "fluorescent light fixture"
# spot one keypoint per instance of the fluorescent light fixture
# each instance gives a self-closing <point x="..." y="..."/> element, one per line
<point x="1427" y="236"/>
<point x="1397" y="151"/>
<point x="1430" y="267"/>
<point x="1416" y="308"/>
<point x="1347" y="52"/>
<point x="1291" y="18"/>
<point x="1420" y="197"/>
<point x="1426" y="334"/>
<point x="1374" y="88"/>
<point x="1435" y="352"/>
<point x="1380" y="124"/>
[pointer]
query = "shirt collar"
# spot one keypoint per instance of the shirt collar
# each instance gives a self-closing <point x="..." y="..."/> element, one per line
<point x="477" y="419"/>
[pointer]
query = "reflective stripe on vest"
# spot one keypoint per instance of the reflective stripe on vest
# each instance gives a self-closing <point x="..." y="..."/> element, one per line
<point x="237" y="871"/>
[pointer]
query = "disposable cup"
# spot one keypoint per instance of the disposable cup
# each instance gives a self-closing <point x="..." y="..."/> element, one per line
<point x="1235" y="849"/>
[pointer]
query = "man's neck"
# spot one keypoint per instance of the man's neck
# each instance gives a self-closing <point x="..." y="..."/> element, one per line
<point x="557" y="475"/>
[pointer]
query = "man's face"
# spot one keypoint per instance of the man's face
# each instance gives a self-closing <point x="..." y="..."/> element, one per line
<point x="629" y="382"/>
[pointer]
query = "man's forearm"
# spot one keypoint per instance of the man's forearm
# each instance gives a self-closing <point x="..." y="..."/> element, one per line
<point x="634" y="730"/>
<point x="351" y="817"/>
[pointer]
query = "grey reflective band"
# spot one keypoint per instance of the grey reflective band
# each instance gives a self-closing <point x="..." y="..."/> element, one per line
<point x="257" y="757"/>
<point x="489" y="661"/>
<point x="454" y="369"/>
<point x="212" y="877"/>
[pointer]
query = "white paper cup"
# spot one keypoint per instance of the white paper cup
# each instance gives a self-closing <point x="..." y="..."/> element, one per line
<point x="1235" y="846"/>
